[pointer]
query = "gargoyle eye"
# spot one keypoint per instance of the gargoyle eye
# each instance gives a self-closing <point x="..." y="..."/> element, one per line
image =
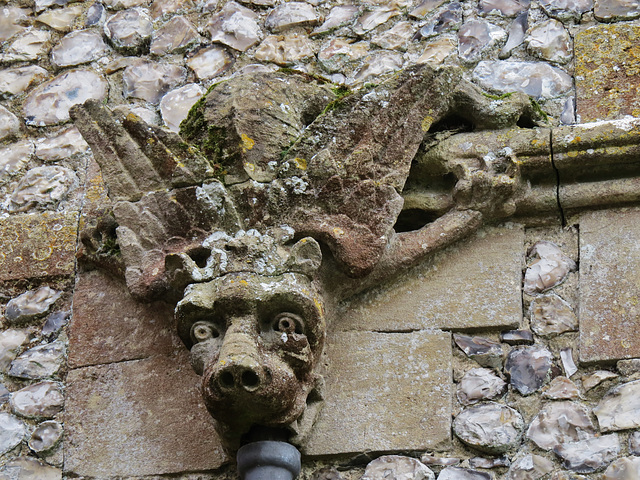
<point x="203" y="331"/>
<point x="288" y="323"/>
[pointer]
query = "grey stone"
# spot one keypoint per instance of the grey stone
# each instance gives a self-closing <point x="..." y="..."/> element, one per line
<point x="424" y="8"/>
<point x="16" y="80"/>
<point x="566" y="9"/>
<point x="12" y="21"/>
<point x="96" y="15"/>
<point x="123" y="4"/>
<point x="560" y="422"/>
<point x="619" y="409"/>
<point x="291" y="14"/>
<point x="235" y="26"/>
<point x="449" y="18"/>
<point x="151" y="81"/>
<point x="176" y="104"/>
<point x="377" y="64"/>
<point x="489" y="427"/>
<point x="484" y="351"/>
<point x="614" y="10"/>
<point x="10" y="342"/>
<point x="63" y="145"/>
<point x="625" y="468"/>
<point x="49" y="103"/>
<point x="9" y="123"/>
<point x="129" y="30"/>
<point x="516" y="34"/>
<point x="589" y="455"/>
<point x="28" y="46"/>
<point x="396" y="38"/>
<point x="61" y="19"/>
<point x="175" y="36"/>
<point x="78" y="47"/>
<point x="4" y="394"/>
<point x="27" y="468"/>
<point x="628" y="367"/>
<point x="14" y="157"/>
<point x="210" y="62"/>
<point x="40" y="400"/>
<point x="479" y="384"/>
<point x="285" y="49"/>
<point x="45" y="436"/>
<point x="55" y="322"/>
<point x="568" y="365"/>
<point x="550" y="41"/>
<point x="42" y="187"/>
<point x="634" y="443"/>
<point x="596" y="378"/>
<point x="397" y="467"/>
<point x="164" y="8"/>
<point x="31" y="304"/>
<point x="436" y="51"/>
<point x="547" y="268"/>
<point x="376" y="402"/>
<point x="529" y="467"/>
<point x="429" y="459"/>
<point x="551" y="315"/>
<point x="508" y="8"/>
<point x="339" y="16"/>
<point x="12" y="432"/>
<point x="372" y="19"/>
<point x="529" y="368"/>
<point x="39" y="362"/>
<point x="482" y="462"/>
<point x="458" y="473"/>
<point x="561" y="388"/>
<point x="517" y="337"/>
<point x="44" y="4"/>
<point x="339" y="54"/>
<point x="476" y="37"/>
<point x="536" y="79"/>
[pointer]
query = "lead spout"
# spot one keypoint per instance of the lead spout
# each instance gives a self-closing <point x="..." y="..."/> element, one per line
<point x="268" y="460"/>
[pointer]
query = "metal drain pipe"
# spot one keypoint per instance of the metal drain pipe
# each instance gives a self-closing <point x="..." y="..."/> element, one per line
<point x="268" y="460"/>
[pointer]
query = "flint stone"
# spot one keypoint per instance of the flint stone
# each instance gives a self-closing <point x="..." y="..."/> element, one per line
<point x="235" y="26"/>
<point x="28" y="47"/>
<point x="326" y="473"/>
<point x="629" y="367"/>
<point x="285" y="49"/>
<point x="49" y="103"/>
<point x="14" y="157"/>
<point x="176" y="104"/>
<point x="55" y="322"/>
<point x="339" y="16"/>
<point x="4" y="394"/>
<point x="42" y="187"/>
<point x="457" y="473"/>
<point x="616" y="10"/>
<point x="551" y="315"/>
<point x="39" y="362"/>
<point x="529" y="467"/>
<point x="164" y="8"/>
<point x="634" y="443"/>
<point x="476" y="37"/>
<point x="12" y="21"/>
<point x="10" y="342"/>
<point x="591" y="455"/>
<point x="529" y="368"/>
<point x="608" y="286"/>
<point x="508" y="8"/>
<point x="96" y="15"/>
<point x="38" y="245"/>
<point x="78" y="47"/>
<point x="338" y="54"/>
<point x="31" y="304"/>
<point x="65" y="144"/>
<point x="12" y="432"/>
<point x="27" y="468"/>
<point x="517" y="337"/>
<point x="566" y="9"/>
<point x="289" y="15"/>
<point x="176" y="36"/>
<point x="429" y="459"/>
<point x="435" y="52"/>
<point x="561" y="388"/>
<point x="517" y="31"/>
<point x="158" y="406"/>
<point x="45" y="436"/>
<point x="547" y="269"/>
<point x="560" y="422"/>
<point x="596" y="378"/>
<point x="619" y="409"/>
<point x="210" y="62"/>
<point x="397" y="467"/>
<point x="373" y="19"/>
<point x="40" y="400"/>
<point x="625" y="468"/>
<point x="396" y="38"/>
<point x="479" y="384"/>
<point x="489" y="427"/>
<point x="484" y="351"/>
<point x="449" y="18"/>
<point x="425" y="7"/>
<point x="569" y="366"/>
<point x="481" y="462"/>
<point x="129" y="30"/>
<point x="61" y="19"/>
<point x="536" y="79"/>
<point x="14" y="81"/>
<point x="123" y="4"/>
<point x="377" y="403"/>
<point x="376" y="65"/>
<point x="151" y="81"/>
<point x="550" y="41"/>
<point x="9" y="123"/>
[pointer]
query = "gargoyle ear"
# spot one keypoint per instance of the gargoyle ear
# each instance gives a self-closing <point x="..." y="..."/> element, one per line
<point x="305" y="257"/>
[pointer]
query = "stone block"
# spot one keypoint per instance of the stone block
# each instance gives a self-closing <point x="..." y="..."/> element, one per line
<point x="609" y="309"/>
<point x="108" y="325"/>
<point x="474" y="284"/>
<point x="385" y="392"/>
<point x="607" y="73"/>
<point x="40" y="245"/>
<point x="143" y="417"/>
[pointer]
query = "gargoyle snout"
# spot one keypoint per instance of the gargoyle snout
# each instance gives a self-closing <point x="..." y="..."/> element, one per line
<point x="239" y="367"/>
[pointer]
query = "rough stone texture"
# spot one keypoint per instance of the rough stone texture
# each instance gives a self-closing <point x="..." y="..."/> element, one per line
<point x="596" y="378"/>
<point x="129" y="30"/>
<point x="619" y="409"/>
<point x="484" y="351"/>
<point x="42" y="188"/>
<point x="110" y="326"/>
<point x="443" y="296"/>
<point x="622" y="469"/>
<point x="142" y="417"/>
<point x="78" y="47"/>
<point x="40" y="400"/>
<point x="63" y="144"/>
<point x="10" y="342"/>
<point x="39" y="362"/>
<point x="538" y="80"/>
<point x="529" y="467"/>
<point x="45" y="436"/>
<point x="489" y="427"/>
<point x="479" y="384"/>
<point x="14" y="81"/>
<point x="457" y="473"/>
<point x="235" y="26"/>
<point x="551" y="315"/>
<point x="560" y="422"/>
<point x="176" y="104"/>
<point x="589" y="455"/>
<point x="12" y="432"/>
<point x="529" y="368"/>
<point x="561" y="388"/>
<point x="547" y="268"/>
<point x="398" y="468"/>
<point x="607" y="75"/>
<point x="399" y="399"/>
<point x="31" y="304"/>
<point x="9" y="123"/>
<point x="609" y="291"/>
<point x="150" y="81"/>
<point x="209" y="62"/>
<point x="27" y="468"/>
<point x="37" y="245"/>
<point x="634" y="443"/>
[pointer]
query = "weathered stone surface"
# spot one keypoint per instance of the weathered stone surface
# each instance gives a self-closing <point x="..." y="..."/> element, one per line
<point x="150" y="81"/>
<point x="49" y="103"/>
<point x="12" y="432"/>
<point x="445" y="295"/>
<point x="338" y="16"/>
<point x="429" y="459"/>
<point x="619" y="409"/>
<point x="4" y="394"/>
<point x="235" y="26"/>
<point x="609" y="291"/>
<point x="9" y="123"/>
<point x="449" y="18"/>
<point x="517" y="337"/>
<point x="12" y="20"/>
<point x="64" y="144"/>
<point x="629" y="367"/>
<point x="396" y="38"/>
<point x="483" y="462"/>
<point x="606" y="72"/>
<point x="31" y="304"/>
<point x="175" y="36"/>
<point x="122" y="4"/>
<point x="529" y="467"/>
<point x="516" y="34"/>
<point x="550" y="41"/>
<point x="40" y="400"/>
<point x="484" y="351"/>
<point x="489" y="427"/>
<point x="560" y="422"/>
<point x="479" y="384"/>
<point x="129" y="30"/>
<point x="39" y="362"/>
<point x="476" y="37"/>
<point x="596" y="378"/>
<point x="372" y="19"/>
<point x="568" y="365"/>
<point x="96" y="14"/>
<point x="625" y="468"/>
<point x="61" y="19"/>
<point x="162" y="426"/>
<point x="28" y="46"/>
<point x="614" y="10"/>
<point x="209" y="62"/>
<point x="536" y="79"/>
<point x="55" y="322"/>
<point x="176" y="104"/>
<point x="38" y="245"/>
<point x="289" y="15"/>
<point x="529" y="368"/>
<point x="78" y="47"/>
<point x="285" y="49"/>
<point x="339" y="54"/>
<point x="547" y="267"/>
<point x="16" y="80"/>
<point x="508" y="8"/>
<point x="42" y="188"/>
<point x="379" y="402"/>
<point x="435" y="52"/>
<point x="10" y="342"/>
<point x="551" y="315"/>
<point x="561" y="388"/>
<point x="110" y="326"/>
<point x="27" y="468"/>
<point x="164" y="8"/>
<point x="634" y="443"/>
<point x="566" y="9"/>
<point x="45" y="436"/>
<point x="398" y="468"/>
<point x="589" y="455"/>
<point x="457" y="473"/>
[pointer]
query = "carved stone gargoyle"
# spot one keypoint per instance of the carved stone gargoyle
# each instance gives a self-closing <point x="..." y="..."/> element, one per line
<point x="280" y="199"/>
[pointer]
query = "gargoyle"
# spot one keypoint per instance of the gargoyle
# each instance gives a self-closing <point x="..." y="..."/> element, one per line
<point x="278" y="201"/>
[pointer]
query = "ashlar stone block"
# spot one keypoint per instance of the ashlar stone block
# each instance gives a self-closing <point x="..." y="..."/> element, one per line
<point x="609" y="289"/>
<point x="385" y="392"/>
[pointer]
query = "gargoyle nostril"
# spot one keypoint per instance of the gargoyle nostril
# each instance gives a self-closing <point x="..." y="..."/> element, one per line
<point x="249" y="379"/>
<point x="226" y="380"/>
